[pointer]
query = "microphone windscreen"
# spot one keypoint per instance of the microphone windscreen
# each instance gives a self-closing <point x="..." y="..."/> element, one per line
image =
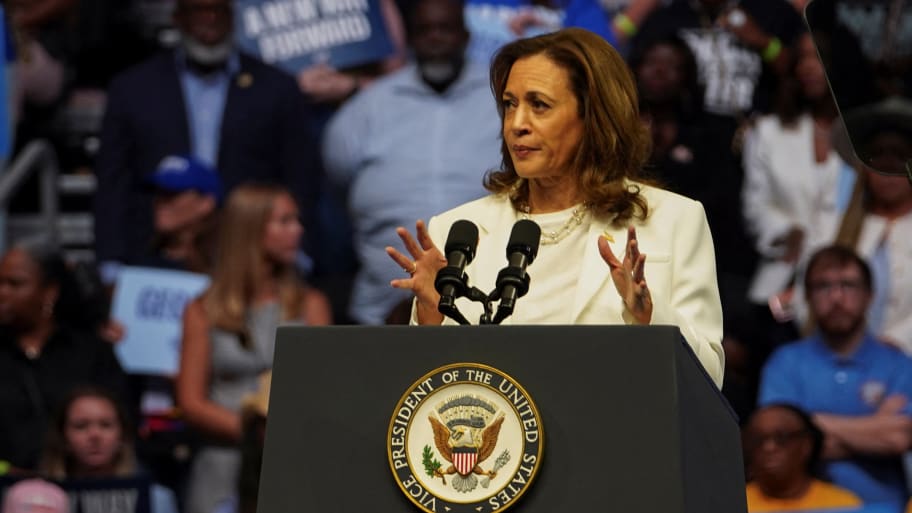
<point x="524" y="238"/>
<point x="463" y="237"/>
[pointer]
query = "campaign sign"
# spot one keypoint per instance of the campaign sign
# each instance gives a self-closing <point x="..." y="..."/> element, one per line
<point x="115" y="495"/>
<point x="295" y="34"/>
<point x="150" y="304"/>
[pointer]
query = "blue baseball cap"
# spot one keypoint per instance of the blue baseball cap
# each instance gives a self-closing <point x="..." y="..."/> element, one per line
<point x="179" y="173"/>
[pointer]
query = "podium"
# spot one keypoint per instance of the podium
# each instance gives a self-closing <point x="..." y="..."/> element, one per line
<point x="631" y="422"/>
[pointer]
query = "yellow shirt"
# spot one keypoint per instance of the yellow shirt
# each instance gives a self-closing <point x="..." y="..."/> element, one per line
<point x="819" y="495"/>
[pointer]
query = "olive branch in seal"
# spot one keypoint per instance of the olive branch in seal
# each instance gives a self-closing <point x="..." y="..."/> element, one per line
<point x="431" y="465"/>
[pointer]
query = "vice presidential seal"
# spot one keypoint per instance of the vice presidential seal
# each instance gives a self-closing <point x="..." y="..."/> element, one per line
<point x="465" y="438"/>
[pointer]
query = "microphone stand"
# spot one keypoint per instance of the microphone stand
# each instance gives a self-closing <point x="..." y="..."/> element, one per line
<point x="502" y="313"/>
<point x="512" y="281"/>
<point x="508" y="276"/>
<point x="481" y="297"/>
<point x="449" y="308"/>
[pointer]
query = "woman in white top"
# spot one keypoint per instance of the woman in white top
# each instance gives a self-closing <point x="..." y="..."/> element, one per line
<point x="793" y="176"/>
<point x="573" y="146"/>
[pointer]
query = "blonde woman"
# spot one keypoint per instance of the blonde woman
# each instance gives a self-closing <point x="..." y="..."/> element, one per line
<point x="229" y="332"/>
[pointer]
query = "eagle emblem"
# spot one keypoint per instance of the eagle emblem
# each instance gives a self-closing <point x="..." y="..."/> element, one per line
<point x="465" y="438"/>
<point x="465" y="435"/>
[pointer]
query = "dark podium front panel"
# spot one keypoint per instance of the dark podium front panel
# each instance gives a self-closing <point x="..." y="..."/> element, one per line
<point x="631" y="422"/>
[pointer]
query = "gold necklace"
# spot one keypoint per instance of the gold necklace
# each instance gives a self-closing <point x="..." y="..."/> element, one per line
<point x="555" y="236"/>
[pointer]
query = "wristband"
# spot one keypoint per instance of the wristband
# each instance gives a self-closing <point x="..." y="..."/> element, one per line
<point x="772" y="50"/>
<point x="625" y="25"/>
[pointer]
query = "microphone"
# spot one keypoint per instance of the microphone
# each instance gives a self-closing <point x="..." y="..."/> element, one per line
<point x="513" y="281"/>
<point x="451" y="281"/>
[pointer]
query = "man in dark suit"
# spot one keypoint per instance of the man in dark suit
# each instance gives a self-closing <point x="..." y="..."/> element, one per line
<point x="205" y="98"/>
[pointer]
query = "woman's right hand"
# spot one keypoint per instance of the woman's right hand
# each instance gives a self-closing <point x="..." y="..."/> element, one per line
<point x="422" y="268"/>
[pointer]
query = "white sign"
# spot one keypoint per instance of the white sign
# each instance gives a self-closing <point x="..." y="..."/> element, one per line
<point x="150" y="304"/>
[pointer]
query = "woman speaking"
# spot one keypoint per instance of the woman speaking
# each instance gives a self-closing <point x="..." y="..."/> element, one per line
<point x="573" y="147"/>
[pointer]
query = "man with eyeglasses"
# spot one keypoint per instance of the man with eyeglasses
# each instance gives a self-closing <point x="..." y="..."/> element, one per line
<point x="856" y="387"/>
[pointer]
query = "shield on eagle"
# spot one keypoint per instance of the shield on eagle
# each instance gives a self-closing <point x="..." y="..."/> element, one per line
<point x="464" y="459"/>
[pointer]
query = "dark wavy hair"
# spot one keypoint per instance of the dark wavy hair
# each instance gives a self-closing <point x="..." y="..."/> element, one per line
<point x="81" y="302"/>
<point x="615" y="144"/>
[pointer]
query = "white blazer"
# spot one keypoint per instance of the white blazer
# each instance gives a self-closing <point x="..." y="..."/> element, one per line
<point x="785" y="187"/>
<point x="680" y="268"/>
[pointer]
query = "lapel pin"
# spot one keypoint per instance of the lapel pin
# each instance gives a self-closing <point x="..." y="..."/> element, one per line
<point x="244" y="80"/>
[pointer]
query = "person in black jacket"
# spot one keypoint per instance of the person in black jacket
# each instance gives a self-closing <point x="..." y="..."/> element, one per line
<point x="48" y="345"/>
<point x="741" y="47"/>
<point x="206" y="99"/>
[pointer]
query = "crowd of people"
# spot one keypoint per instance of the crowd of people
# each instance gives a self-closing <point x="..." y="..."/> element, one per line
<point x="684" y="159"/>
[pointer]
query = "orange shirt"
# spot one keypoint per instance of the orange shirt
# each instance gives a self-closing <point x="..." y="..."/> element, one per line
<point x="819" y="495"/>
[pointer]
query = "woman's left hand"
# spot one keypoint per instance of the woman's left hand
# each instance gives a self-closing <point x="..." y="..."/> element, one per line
<point x="629" y="277"/>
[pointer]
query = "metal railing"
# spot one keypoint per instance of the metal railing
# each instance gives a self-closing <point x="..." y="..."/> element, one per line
<point x="37" y="155"/>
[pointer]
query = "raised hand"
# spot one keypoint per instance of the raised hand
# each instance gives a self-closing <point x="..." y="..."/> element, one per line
<point x="744" y="27"/>
<point x="629" y="277"/>
<point x="422" y="269"/>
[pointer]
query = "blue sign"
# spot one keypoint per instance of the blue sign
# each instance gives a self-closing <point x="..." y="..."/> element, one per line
<point x="295" y="34"/>
<point x="150" y="304"/>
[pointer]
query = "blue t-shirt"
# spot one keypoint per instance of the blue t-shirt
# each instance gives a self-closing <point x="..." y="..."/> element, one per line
<point x="809" y="375"/>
